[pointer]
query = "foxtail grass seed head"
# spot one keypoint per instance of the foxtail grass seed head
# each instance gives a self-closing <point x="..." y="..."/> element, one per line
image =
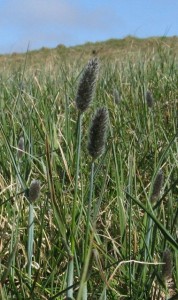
<point x="34" y="190"/>
<point x="20" y="147"/>
<point x="149" y="99"/>
<point x="87" y="85"/>
<point x="167" y="267"/>
<point x="117" y="98"/>
<point x="97" y="133"/>
<point x="157" y="186"/>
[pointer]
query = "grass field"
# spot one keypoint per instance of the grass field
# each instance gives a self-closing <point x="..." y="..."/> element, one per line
<point x="78" y="221"/>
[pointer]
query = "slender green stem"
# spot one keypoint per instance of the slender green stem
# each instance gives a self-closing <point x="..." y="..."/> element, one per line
<point x="82" y="293"/>
<point x="78" y="148"/>
<point x="86" y="247"/>
<point x="30" y="239"/>
<point x="163" y="230"/>
<point x="70" y="272"/>
<point x="130" y="247"/>
<point x="148" y="237"/>
<point x="122" y="214"/>
<point x="147" y="245"/>
<point x="89" y="210"/>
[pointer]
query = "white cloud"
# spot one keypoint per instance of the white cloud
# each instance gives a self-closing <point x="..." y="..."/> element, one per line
<point x="40" y="12"/>
<point x="23" y="12"/>
<point x="57" y="21"/>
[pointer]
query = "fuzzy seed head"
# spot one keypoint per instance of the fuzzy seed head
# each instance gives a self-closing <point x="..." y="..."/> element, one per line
<point x="20" y="147"/>
<point x="97" y="133"/>
<point x="117" y="98"/>
<point x="167" y="267"/>
<point x="157" y="186"/>
<point x="149" y="99"/>
<point x="34" y="190"/>
<point x="87" y="85"/>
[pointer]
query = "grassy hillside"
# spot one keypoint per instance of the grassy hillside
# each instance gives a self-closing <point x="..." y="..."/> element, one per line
<point x="113" y="48"/>
<point x="88" y="207"/>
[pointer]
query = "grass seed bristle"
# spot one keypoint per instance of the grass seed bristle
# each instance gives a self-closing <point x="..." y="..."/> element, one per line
<point x="34" y="190"/>
<point x="157" y="186"/>
<point x="149" y="99"/>
<point x="97" y="134"/>
<point x="87" y="85"/>
<point x="167" y="267"/>
<point x="20" y="147"/>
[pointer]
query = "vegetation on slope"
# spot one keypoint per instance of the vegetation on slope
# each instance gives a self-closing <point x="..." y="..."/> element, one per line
<point x="106" y="224"/>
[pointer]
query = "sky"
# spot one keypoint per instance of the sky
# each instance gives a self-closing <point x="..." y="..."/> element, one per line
<point x="47" y="23"/>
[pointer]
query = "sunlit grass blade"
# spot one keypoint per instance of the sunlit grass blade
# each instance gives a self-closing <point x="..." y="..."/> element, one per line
<point x="165" y="233"/>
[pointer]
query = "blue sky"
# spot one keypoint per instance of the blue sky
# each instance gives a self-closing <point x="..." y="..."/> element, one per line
<point x="49" y="23"/>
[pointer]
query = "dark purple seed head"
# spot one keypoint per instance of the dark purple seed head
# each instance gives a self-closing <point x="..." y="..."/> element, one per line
<point x="34" y="190"/>
<point x="87" y="85"/>
<point x="97" y="133"/>
<point x="157" y="186"/>
<point x="149" y="99"/>
<point x="167" y="267"/>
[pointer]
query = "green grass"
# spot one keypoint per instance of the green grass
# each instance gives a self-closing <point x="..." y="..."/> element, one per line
<point x="121" y="256"/>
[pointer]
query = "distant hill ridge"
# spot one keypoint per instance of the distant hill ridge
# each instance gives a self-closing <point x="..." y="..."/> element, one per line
<point x="109" y="48"/>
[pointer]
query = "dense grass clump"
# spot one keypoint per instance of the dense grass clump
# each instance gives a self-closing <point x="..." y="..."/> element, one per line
<point x="85" y="211"/>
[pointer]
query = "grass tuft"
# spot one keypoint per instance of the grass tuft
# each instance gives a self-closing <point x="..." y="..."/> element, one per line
<point x="105" y="214"/>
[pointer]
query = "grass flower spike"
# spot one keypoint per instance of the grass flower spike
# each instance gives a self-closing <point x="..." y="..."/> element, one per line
<point x="96" y="144"/>
<point x="87" y="84"/>
<point x="34" y="190"/>
<point x="20" y="147"/>
<point x="97" y="134"/>
<point x="83" y="99"/>
<point x="149" y="99"/>
<point x="167" y="267"/>
<point x="117" y="98"/>
<point x="157" y="186"/>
